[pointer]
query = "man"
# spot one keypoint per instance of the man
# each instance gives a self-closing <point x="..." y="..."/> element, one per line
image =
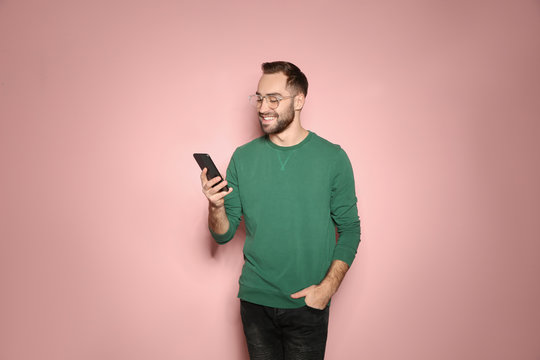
<point x="293" y="189"/>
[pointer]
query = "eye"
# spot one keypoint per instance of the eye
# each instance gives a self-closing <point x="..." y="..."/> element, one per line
<point x="273" y="100"/>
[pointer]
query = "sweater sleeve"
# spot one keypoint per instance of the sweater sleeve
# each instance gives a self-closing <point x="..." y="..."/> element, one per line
<point x="343" y="209"/>
<point x="233" y="205"/>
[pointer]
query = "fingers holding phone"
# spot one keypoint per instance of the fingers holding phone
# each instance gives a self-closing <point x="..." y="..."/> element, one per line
<point x="214" y="189"/>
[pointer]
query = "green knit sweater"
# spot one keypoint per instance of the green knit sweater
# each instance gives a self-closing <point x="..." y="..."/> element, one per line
<point x="292" y="199"/>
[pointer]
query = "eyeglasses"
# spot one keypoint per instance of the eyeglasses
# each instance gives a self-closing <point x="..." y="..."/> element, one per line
<point x="272" y="100"/>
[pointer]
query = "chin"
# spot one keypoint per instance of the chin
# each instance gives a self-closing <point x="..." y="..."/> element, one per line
<point x="268" y="130"/>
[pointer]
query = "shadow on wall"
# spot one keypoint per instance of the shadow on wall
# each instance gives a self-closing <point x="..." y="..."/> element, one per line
<point x="237" y="242"/>
<point x="241" y="130"/>
<point x="229" y="252"/>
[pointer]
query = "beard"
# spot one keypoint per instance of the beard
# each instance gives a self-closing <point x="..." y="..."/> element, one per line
<point x="283" y="121"/>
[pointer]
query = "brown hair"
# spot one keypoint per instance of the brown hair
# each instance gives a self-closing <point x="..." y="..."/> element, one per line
<point x="295" y="77"/>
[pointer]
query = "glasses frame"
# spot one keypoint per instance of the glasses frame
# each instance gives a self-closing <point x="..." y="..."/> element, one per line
<point x="270" y="105"/>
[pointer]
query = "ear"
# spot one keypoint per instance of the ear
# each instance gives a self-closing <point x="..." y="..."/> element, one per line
<point x="299" y="101"/>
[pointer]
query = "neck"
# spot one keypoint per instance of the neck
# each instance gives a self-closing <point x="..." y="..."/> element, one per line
<point x="291" y="136"/>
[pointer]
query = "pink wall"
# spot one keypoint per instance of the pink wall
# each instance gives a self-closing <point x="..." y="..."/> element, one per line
<point x="104" y="248"/>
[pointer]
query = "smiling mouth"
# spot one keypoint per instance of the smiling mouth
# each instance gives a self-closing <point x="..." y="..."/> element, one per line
<point x="267" y="117"/>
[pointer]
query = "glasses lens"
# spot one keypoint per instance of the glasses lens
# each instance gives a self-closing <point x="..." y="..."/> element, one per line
<point x="273" y="102"/>
<point x="257" y="101"/>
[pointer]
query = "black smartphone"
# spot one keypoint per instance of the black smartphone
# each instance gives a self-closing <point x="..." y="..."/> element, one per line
<point x="205" y="161"/>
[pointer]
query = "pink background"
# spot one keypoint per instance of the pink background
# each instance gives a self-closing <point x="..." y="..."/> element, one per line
<point x="104" y="248"/>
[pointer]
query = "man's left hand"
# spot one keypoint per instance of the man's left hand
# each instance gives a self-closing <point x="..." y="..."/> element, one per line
<point x="316" y="296"/>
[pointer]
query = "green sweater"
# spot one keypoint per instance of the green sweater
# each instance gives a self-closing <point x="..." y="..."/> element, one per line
<point x="292" y="199"/>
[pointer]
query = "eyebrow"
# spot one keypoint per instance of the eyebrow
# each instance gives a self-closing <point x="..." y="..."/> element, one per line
<point x="272" y="94"/>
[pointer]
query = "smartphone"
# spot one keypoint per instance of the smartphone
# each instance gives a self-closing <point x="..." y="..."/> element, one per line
<point x="205" y="161"/>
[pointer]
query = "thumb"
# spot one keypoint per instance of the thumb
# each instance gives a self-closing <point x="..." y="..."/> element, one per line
<point x="301" y="293"/>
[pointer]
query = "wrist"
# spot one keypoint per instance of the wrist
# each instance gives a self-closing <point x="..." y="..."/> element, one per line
<point x="328" y="287"/>
<point x="213" y="207"/>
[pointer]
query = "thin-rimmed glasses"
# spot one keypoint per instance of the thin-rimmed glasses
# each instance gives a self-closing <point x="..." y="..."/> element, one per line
<point x="256" y="100"/>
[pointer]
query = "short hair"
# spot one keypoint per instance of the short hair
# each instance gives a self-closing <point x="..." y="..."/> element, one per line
<point x="295" y="77"/>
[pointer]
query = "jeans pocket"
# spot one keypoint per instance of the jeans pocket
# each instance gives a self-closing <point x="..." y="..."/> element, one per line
<point x="315" y="317"/>
<point x="316" y="310"/>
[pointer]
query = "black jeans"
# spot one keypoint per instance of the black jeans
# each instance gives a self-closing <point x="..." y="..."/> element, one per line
<point x="284" y="334"/>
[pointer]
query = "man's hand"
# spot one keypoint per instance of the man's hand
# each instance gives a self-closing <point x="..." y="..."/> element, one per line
<point x="217" y="217"/>
<point x="213" y="194"/>
<point x="316" y="296"/>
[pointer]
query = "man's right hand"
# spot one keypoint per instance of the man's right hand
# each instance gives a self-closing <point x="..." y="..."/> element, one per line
<point x="213" y="194"/>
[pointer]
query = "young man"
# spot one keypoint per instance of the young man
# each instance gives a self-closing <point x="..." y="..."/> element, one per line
<point x="293" y="189"/>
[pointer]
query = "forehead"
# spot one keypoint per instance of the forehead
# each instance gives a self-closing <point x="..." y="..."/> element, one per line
<point x="273" y="84"/>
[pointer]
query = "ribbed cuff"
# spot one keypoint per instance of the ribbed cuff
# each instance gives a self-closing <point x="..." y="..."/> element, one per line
<point x="344" y="254"/>
<point x="222" y="238"/>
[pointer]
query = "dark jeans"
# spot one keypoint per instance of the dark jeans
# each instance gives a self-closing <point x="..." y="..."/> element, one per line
<point x="284" y="334"/>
